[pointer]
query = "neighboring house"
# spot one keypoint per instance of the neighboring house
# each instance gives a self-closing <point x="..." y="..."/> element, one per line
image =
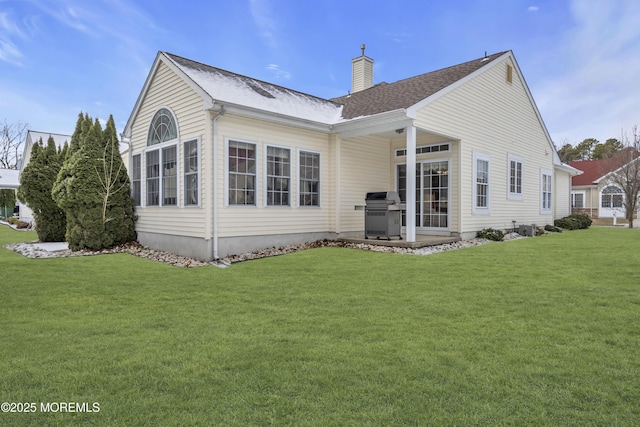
<point x="593" y="193"/>
<point x="26" y="214"/>
<point x="222" y="163"/>
<point x="9" y="179"/>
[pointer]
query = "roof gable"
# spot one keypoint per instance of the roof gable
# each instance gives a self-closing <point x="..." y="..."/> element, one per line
<point x="59" y="139"/>
<point x="405" y="93"/>
<point x="255" y="98"/>
<point x="595" y="170"/>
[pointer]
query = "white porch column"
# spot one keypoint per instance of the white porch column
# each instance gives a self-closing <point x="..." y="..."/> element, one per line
<point x="411" y="184"/>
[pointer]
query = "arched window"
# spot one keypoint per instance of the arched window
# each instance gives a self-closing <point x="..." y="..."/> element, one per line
<point x="161" y="165"/>
<point x="163" y="127"/>
<point x="612" y="197"/>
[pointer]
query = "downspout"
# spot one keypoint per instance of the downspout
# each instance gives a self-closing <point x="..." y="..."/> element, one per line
<point x="214" y="148"/>
<point x="129" y="156"/>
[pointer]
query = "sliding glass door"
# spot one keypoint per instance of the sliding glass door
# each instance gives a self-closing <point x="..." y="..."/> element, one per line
<point x="432" y="193"/>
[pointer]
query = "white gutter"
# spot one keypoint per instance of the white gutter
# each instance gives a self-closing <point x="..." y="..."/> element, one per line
<point x="129" y="156"/>
<point x="214" y="192"/>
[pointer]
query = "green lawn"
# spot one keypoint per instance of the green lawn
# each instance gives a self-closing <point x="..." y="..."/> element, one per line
<point x="541" y="331"/>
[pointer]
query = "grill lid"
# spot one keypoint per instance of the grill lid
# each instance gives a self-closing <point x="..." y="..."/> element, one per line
<point x="391" y="197"/>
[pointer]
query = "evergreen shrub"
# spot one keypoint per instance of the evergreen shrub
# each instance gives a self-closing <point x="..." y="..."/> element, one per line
<point x="491" y="234"/>
<point x="573" y="222"/>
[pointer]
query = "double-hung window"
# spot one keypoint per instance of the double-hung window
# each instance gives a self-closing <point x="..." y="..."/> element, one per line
<point x="191" y="173"/>
<point x="278" y="176"/>
<point x="136" y="175"/>
<point x="309" y="179"/>
<point x="577" y="200"/>
<point x="170" y="176"/>
<point x="153" y="178"/>
<point x="546" y="190"/>
<point x="515" y="177"/>
<point x="242" y="173"/>
<point x="481" y="190"/>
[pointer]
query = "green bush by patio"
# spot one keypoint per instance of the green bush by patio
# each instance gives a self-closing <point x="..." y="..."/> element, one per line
<point x="536" y="331"/>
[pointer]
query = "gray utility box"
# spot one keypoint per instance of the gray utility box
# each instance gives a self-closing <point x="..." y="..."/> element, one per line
<point x="528" y="230"/>
<point x="383" y="215"/>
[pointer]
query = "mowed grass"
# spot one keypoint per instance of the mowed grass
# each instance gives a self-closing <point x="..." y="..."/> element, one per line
<point x="540" y="331"/>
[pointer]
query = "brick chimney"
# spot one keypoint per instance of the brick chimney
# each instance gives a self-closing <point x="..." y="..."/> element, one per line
<point x="362" y="72"/>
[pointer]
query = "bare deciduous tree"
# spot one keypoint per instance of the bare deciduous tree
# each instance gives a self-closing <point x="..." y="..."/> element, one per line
<point x="110" y="178"/>
<point x="12" y="136"/>
<point x="625" y="172"/>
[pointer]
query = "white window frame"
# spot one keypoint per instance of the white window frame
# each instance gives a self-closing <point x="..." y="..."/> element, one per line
<point x="227" y="171"/>
<point x="573" y="200"/>
<point x="482" y="210"/>
<point x="546" y="203"/>
<point x="515" y="195"/>
<point x="299" y="152"/>
<point x="197" y="173"/>
<point x="425" y="149"/>
<point x="176" y="176"/>
<point x="175" y="123"/>
<point x="160" y="147"/>
<point x="138" y="180"/>
<point x="610" y="197"/>
<point x="161" y="190"/>
<point x="266" y="176"/>
<point x="146" y="178"/>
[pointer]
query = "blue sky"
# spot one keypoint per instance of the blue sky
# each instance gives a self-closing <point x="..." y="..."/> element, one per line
<point x="580" y="58"/>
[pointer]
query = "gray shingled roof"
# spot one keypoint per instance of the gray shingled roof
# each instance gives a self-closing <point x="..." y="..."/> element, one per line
<point x="405" y="93"/>
<point x="231" y="87"/>
<point x="380" y="98"/>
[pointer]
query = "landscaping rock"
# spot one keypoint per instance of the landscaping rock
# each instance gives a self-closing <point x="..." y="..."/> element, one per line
<point x="32" y="250"/>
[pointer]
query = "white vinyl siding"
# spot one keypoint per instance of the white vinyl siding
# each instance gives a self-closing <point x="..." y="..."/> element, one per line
<point x="486" y="114"/>
<point x="263" y="220"/>
<point x="364" y="167"/>
<point x="561" y="194"/>
<point x="167" y="90"/>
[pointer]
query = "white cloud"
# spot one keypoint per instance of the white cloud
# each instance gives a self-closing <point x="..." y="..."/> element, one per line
<point x="262" y="17"/>
<point x="280" y="74"/>
<point x="591" y="89"/>
<point x="9" y="52"/>
<point x="533" y="8"/>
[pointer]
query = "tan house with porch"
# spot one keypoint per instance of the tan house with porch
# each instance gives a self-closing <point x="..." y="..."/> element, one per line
<point x="222" y="163"/>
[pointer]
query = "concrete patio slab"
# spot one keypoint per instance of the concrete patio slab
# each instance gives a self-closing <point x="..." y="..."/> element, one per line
<point x="421" y="241"/>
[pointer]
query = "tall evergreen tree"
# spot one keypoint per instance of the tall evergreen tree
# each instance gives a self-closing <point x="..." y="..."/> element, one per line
<point x="93" y="188"/>
<point x="118" y="214"/>
<point x="36" y="182"/>
<point x="7" y="202"/>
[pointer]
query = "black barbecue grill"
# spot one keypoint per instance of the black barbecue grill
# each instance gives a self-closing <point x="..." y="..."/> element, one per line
<point x="383" y="215"/>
